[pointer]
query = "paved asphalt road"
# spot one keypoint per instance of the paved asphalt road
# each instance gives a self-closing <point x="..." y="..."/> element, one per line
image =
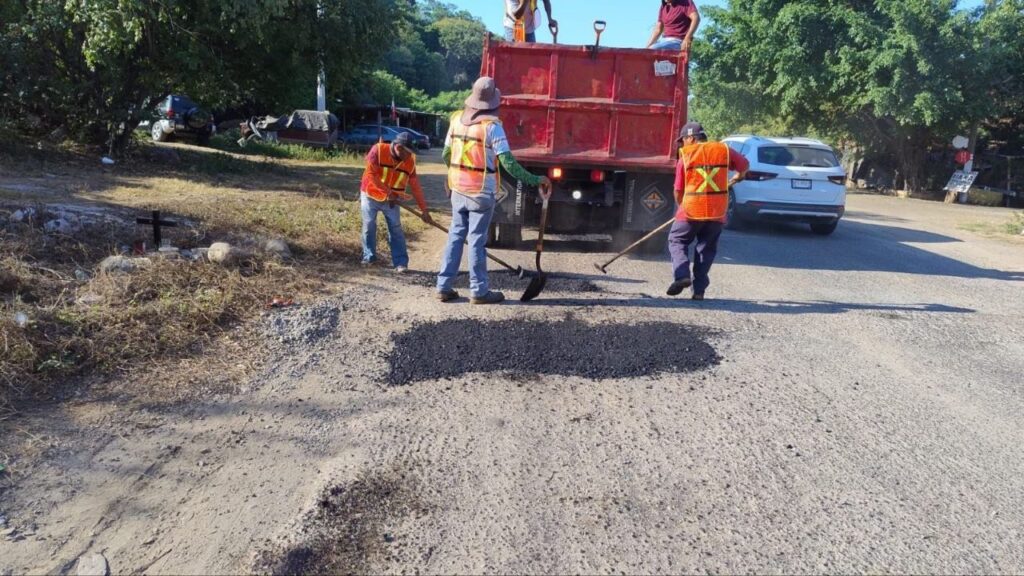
<point x="845" y="404"/>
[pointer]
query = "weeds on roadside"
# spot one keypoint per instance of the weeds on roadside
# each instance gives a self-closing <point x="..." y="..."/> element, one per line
<point x="1016" y="226"/>
<point x="228" y="142"/>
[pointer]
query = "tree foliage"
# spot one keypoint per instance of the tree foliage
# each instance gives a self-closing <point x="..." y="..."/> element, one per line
<point x="891" y="75"/>
<point x="438" y="46"/>
<point x="96" y="67"/>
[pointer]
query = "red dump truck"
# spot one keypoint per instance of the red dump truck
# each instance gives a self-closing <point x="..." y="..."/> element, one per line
<point x="600" y="122"/>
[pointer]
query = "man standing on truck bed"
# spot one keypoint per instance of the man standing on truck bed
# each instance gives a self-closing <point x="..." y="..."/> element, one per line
<point x="702" y="192"/>
<point x="390" y="170"/>
<point x="475" y="146"/>
<point x="521" y="20"/>
<point x="677" y="23"/>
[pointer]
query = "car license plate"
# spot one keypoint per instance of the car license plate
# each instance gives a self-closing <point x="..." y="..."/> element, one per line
<point x="801" y="184"/>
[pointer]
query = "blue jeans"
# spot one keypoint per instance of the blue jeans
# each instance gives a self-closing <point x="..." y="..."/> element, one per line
<point x="668" y="44"/>
<point x="510" y="35"/>
<point x="396" y="238"/>
<point x="471" y="217"/>
<point x="684" y="233"/>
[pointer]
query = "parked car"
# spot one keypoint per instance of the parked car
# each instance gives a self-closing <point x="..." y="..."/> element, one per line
<point x="180" y="116"/>
<point x="420" y="140"/>
<point x="366" y="135"/>
<point x="794" y="179"/>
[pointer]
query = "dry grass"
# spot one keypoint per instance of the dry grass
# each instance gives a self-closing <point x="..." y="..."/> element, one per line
<point x="174" y="311"/>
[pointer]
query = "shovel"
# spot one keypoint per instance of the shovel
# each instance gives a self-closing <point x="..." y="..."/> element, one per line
<point x="518" y="270"/>
<point x="541" y="279"/>
<point x="631" y="247"/>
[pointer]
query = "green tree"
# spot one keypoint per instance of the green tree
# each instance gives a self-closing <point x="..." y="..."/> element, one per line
<point x="445" y="102"/>
<point x="462" y="41"/>
<point x="891" y="75"/>
<point x="96" y="67"/>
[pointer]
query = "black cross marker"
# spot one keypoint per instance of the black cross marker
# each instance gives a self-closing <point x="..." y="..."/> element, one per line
<point x="157" y="224"/>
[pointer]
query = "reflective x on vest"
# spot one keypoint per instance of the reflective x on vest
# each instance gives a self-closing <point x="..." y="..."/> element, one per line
<point x="469" y="171"/>
<point x="709" y="178"/>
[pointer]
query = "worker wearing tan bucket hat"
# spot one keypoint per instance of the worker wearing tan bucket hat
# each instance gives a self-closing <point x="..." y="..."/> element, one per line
<point x="475" y="150"/>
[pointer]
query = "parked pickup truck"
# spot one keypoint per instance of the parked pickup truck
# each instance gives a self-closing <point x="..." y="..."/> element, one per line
<point x="601" y="122"/>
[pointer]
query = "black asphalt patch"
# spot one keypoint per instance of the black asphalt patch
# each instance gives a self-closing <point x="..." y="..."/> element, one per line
<point x="566" y="348"/>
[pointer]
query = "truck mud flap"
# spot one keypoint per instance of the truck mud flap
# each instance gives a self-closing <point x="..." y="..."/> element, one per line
<point x="512" y="197"/>
<point x="648" y="201"/>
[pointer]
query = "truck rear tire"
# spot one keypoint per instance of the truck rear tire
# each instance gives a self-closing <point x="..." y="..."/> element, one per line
<point x="505" y="235"/>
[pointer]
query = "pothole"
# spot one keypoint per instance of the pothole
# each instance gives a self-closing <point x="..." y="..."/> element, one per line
<point x="569" y="347"/>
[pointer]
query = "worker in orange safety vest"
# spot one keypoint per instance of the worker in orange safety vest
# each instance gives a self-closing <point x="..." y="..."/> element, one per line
<point x="390" y="172"/>
<point x="702" y="193"/>
<point x="476" y="150"/>
<point x="521" y="20"/>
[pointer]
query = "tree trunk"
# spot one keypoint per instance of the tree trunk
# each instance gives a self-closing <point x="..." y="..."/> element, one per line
<point x="911" y="160"/>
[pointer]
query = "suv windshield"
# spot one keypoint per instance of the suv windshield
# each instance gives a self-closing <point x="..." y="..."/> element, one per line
<point x="183" y="102"/>
<point x="802" y="156"/>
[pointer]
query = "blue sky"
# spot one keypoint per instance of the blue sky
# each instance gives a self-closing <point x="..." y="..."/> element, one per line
<point x="629" y="21"/>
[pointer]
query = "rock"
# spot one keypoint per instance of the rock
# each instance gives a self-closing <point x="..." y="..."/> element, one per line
<point x="23" y="215"/>
<point x="122" y="264"/>
<point x="89" y="299"/>
<point x="81" y="275"/>
<point x="278" y="248"/>
<point x="222" y="253"/>
<point x="92" y="565"/>
<point x="169" y="253"/>
<point x="59" y="226"/>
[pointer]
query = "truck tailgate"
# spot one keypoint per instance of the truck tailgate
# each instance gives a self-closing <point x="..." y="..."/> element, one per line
<point x="565" y="105"/>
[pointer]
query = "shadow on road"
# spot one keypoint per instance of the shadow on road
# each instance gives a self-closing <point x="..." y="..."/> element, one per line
<point x="784" y="307"/>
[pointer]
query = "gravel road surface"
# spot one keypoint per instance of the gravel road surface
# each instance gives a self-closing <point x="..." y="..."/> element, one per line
<point x="852" y="403"/>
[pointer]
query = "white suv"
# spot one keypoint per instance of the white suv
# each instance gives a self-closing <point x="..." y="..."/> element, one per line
<point x="795" y="179"/>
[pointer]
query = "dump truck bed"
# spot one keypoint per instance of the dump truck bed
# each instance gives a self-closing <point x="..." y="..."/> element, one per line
<point x="566" y="105"/>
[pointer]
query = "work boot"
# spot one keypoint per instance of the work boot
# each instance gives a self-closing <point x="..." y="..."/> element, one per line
<point x="447" y="295"/>
<point x="491" y="297"/>
<point x="676" y="288"/>
<point x="698" y="296"/>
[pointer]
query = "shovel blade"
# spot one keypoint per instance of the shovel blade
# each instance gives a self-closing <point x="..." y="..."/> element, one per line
<point x="535" y="288"/>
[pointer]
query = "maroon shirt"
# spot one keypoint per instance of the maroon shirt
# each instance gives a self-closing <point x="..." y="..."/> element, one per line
<point x="676" y="18"/>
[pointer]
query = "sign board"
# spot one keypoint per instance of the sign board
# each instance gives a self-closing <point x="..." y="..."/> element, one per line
<point x="960" y="142"/>
<point x="963" y="157"/>
<point x="961" y="181"/>
<point x="664" y="68"/>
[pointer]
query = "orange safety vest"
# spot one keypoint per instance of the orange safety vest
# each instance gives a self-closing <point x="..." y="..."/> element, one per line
<point x="468" y="171"/>
<point x="519" y="34"/>
<point x="394" y="173"/>
<point x="706" y="195"/>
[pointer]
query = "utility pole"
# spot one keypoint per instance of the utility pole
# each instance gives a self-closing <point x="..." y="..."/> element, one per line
<point x="321" y="79"/>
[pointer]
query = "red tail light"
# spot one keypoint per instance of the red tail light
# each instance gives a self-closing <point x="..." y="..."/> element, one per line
<point x="837" y="180"/>
<point x="597" y="176"/>
<point x="170" y="112"/>
<point x="555" y="173"/>
<point x="760" y="176"/>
